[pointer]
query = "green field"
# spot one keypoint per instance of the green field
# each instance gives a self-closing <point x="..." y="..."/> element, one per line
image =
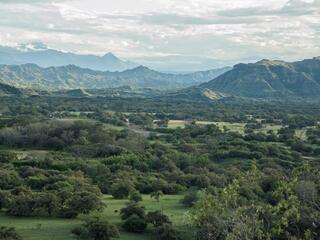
<point x="35" y="228"/>
<point x="234" y="127"/>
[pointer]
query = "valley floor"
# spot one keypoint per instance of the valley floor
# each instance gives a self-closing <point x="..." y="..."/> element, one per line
<point x="37" y="228"/>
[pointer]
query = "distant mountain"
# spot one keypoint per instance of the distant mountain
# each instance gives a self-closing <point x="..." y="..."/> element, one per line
<point x="52" y="58"/>
<point x="73" y="77"/>
<point x="269" y="79"/>
<point x="187" y="64"/>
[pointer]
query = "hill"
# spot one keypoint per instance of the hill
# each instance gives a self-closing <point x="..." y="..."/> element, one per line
<point x="48" y="57"/>
<point x="73" y="77"/>
<point x="8" y="90"/>
<point x="270" y="79"/>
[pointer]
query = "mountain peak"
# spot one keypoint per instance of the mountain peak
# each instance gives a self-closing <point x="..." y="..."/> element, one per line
<point x="141" y="69"/>
<point x="268" y="62"/>
<point x="111" y="56"/>
<point x="43" y="56"/>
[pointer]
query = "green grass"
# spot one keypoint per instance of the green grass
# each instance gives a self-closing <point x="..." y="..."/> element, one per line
<point x="301" y="133"/>
<point x="176" y="123"/>
<point x="35" y="228"/>
<point x="234" y="127"/>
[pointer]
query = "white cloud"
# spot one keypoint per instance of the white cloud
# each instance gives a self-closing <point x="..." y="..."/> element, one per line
<point x="216" y="28"/>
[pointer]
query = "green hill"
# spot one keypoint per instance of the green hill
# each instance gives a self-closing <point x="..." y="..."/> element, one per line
<point x="8" y="90"/>
<point x="73" y="77"/>
<point x="270" y="79"/>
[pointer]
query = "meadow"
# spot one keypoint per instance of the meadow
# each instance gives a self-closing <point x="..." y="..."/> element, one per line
<point x="41" y="228"/>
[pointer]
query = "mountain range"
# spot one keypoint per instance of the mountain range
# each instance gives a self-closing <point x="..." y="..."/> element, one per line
<point x="268" y="79"/>
<point x="265" y="79"/>
<point x="72" y="77"/>
<point x="39" y="54"/>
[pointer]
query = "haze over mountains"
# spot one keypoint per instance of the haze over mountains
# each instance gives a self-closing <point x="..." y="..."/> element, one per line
<point x="72" y="77"/>
<point x="39" y="54"/>
<point x="66" y="71"/>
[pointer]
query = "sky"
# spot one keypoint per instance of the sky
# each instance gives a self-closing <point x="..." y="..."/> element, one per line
<point x="162" y="29"/>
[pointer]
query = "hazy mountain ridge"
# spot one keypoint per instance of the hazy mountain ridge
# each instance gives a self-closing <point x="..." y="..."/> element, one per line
<point x="270" y="79"/>
<point x="54" y="58"/>
<point x="73" y="77"/>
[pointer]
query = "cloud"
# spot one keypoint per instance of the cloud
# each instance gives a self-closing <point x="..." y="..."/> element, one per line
<point x="28" y="1"/>
<point x="214" y="29"/>
<point x="176" y="19"/>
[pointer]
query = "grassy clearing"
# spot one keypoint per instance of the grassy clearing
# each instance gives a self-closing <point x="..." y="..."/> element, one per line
<point x="234" y="127"/>
<point x="301" y="133"/>
<point x="59" y="229"/>
<point x="176" y="123"/>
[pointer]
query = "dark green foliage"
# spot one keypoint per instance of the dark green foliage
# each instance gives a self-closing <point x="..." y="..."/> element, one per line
<point x="278" y="198"/>
<point x="6" y="157"/>
<point x="7" y="233"/>
<point x="121" y="189"/>
<point x="190" y="198"/>
<point x="135" y="196"/>
<point x="157" y="218"/>
<point x="166" y="232"/>
<point x="132" y="209"/>
<point x="96" y="230"/>
<point x="134" y="224"/>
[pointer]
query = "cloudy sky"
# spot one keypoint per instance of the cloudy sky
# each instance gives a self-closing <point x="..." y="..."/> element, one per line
<point x="133" y="29"/>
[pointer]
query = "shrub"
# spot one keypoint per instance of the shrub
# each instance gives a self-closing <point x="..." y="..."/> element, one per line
<point x="134" y="224"/>
<point x="97" y="230"/>
<point x="166" y="232"/>
<point x="190" y="198"/>
<point x="132" y="209"/>
<point x="156" y="218"/>
<point x="7" y="233"/>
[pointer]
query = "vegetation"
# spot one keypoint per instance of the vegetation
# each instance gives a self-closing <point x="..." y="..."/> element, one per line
<point x="233" y="170"/>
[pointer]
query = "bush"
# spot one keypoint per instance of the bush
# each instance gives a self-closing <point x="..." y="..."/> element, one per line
<point x="80" y="232"/>
<point x="7" y="233"/>
<point x="166" y="232"/>
<point x="97" y="230"/>
<point x="190" y="198"/>
<point x="135" y="224"/>
<point x="121" y="190"/>
<point x="157" y="218"/>
<point x="135" y="196"/>
<point x="132" y="209"/>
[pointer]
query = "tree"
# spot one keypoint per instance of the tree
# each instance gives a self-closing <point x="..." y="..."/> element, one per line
<point x="7" y="233"/>
<point x="121" y="189"/>
<point x="190" y="198"/>
<point x="47" y="201"/>
<point x="166" y="232"/>
<point x="132" y="209"/>
<point x="4" y="199"/>
<point x="134" y="224"/>
<point x="21" y="205"/>
<point x="6" y="157"/>
<point x="135" y="196"/>
<point x="156" y="195"/>
<point x="156" y="218"/>
<point x="97" y="230"/>
<point x="85" y="202"/>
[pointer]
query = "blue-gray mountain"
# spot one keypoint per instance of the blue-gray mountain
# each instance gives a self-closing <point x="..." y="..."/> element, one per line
<point x="269" y="79"/>
<point x="53" y="58"/>
<point x="72" y="77"/>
